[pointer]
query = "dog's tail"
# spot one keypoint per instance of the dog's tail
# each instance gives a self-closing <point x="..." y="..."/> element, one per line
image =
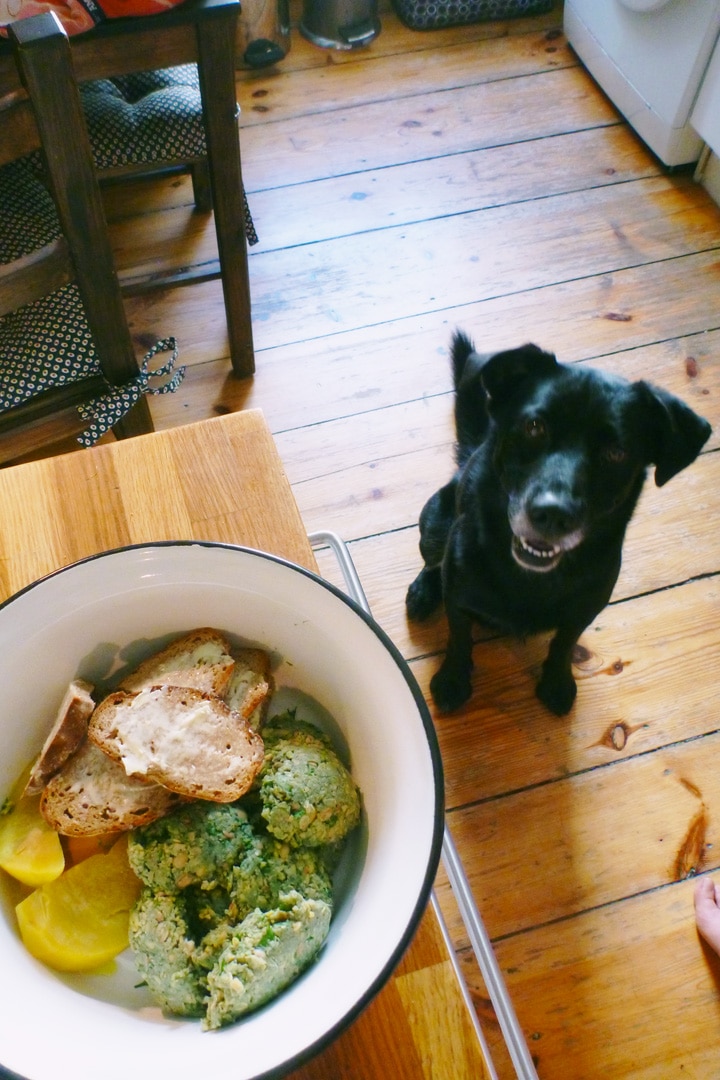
<point x="471" y="419"/>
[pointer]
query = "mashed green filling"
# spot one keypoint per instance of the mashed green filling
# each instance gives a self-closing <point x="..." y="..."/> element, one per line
<point x="192" y="846"/>
<point x="160" y="938"/>
<point x="263" y="955"/>
<point x="233" y="910"/>
<point x="308" y="797"/>
<point x="271" y="868"/>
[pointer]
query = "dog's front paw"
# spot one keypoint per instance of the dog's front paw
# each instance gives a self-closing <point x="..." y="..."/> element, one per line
<point x="557" y="693"/>
<point x="424" y="595"/>
<point x="449" y="689"/>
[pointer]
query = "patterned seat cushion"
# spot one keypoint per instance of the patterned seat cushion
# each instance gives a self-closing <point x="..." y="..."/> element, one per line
<point x="27" y="212"/>
<point x="48" y="343"/>
<point x="149" y="117"/>
<point x="138" y="119"/>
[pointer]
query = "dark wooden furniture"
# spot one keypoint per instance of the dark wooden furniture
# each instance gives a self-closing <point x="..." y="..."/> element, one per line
<point x="49" y="114"/>
<point x="202" y="32"/>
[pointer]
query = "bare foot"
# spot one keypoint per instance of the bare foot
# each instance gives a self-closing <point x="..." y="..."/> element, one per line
<point x="707" y="911"/>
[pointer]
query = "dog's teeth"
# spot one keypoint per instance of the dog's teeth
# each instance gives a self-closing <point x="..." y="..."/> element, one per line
<point x="544" y="553"/>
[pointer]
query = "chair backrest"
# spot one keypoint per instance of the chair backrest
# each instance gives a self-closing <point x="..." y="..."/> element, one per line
<point x="51" y="117"/>
<point x="198" y="32"/>
<point x="42" y="52"/>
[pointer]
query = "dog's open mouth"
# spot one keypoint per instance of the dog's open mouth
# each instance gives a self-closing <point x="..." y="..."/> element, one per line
<point x="536" y="554"/>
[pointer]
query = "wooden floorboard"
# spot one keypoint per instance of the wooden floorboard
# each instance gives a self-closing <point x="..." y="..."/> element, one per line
<point x="477" y="177"/>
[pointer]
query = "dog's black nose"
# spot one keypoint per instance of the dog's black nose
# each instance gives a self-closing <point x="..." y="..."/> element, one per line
<point x="553" y="515"/>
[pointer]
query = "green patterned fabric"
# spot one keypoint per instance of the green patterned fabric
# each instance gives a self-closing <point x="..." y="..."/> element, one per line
<point x="48" y="343"/>
<point x="436" y="14"/>
<point x="104" y="412"/>
<point x="27" y="212"/>
<point x="148" y="117"/>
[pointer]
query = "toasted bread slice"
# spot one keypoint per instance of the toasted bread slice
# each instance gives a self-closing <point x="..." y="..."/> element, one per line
<point x="188" y="741"/>
<point x="92" y="795"/>
<point x="200" y="659"/>
<point x="250" y="685"/>
<point x="66" y="734"/>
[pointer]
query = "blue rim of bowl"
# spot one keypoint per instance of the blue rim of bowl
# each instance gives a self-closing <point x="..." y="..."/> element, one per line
<point x="330" y="1036"/>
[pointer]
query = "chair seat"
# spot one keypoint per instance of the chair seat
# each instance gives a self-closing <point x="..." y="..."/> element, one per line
<point x="148" y="118"/>
<point x="48" y="343"/>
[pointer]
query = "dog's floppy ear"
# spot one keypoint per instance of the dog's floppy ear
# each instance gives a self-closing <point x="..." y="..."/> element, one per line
<point x="676" y="434"/>
<point x="506" y="373"/>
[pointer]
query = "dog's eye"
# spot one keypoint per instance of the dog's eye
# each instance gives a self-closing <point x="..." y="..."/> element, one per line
<point x="534" y="428"/>
<point x="615" y="455"/>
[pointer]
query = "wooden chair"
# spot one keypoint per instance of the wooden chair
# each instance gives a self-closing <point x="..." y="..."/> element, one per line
<point x="200" y="33"/>
<point x="149" y="122"/>
<point x="152" y="122"/>
<point x="73" y="263"/>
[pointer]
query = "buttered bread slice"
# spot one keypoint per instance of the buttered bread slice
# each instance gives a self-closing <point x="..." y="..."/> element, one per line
<point x="200" y="659"/>
<point x="92" y="795"/>
<point x="250" y="686"/>
<point x="188" y="741"/>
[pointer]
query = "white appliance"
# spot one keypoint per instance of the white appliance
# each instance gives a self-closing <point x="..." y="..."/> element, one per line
<point x="650" y="58"/>
<point x="705" y="117"/>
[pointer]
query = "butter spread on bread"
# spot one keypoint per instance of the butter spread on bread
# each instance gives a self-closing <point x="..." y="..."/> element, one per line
<point x="200" y="659"/>
<point x="182" y="726"/>
<point x="250" y="685"/>
<point x="92" y="795"/>
<point x="190" y="742"/>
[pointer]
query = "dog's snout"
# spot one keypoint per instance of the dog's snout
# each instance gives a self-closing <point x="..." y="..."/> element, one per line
<point x="553" y="515"/>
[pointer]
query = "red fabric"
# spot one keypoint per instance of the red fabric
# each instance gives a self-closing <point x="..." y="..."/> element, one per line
<point x="74" y="16"/>
<point x="78" y="16"/>
<point x="116" y="9"/>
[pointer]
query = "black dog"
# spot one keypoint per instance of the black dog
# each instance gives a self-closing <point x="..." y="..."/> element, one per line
<point x="527" y="536"/>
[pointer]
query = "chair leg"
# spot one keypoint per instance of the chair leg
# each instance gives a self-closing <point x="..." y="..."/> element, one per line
<point x="137" y="422"/>
<point x="202" y="189"/>
<point x="216" y="68"/>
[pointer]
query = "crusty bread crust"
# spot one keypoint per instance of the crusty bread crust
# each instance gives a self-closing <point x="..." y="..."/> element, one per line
<point x="165" y="736"/>
<point x="250" y="686"/>
<point x="190" y="742"/>
<point x="200" y="659"/>
<point x="66" y="734"/>
<point x="92" y="795"/>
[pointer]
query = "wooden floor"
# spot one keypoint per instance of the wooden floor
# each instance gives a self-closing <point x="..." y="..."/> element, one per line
<point x="478" y="178"/>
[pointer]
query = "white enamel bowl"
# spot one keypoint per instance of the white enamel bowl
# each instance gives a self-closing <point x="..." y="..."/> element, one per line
<point x="98" y="615"/>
